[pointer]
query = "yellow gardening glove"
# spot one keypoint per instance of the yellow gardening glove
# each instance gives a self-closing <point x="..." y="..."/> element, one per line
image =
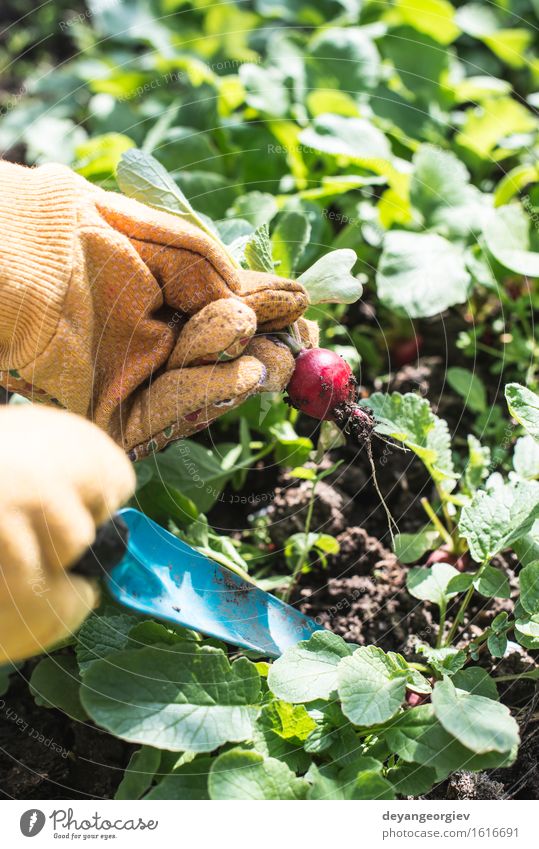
<point x="130" y="316"/>
<point x="61" y="478"/>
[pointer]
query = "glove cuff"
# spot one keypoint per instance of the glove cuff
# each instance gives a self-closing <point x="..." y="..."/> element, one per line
<point x="37" y="218"/>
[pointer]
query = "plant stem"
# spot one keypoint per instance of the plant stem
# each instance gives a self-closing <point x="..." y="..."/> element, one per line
<point x="459" y="617"/>
<point x="445" y="511"/>
<point x="303" y="557"/>
<point x="523" y="676"/>
<point x="444" y="533"/>
<point x="421" y="667"/>
<point x="443" y="612"/>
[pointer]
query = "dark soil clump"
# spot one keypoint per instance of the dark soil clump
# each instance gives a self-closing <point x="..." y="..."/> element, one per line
<point x="288" y="511"/>
<point x="467" y="786"/>
<point x="44" y="755"/>
<point x="363" y="596"/>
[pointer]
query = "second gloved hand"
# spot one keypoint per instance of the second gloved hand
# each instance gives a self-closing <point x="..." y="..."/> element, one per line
<point x="62" y="477"/>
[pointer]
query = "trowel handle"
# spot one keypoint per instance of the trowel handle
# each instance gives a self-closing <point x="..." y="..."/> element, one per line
<point x="106" y="551"/>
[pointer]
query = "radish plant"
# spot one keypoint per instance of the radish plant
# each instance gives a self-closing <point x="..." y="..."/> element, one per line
<point x="477" y="516"/>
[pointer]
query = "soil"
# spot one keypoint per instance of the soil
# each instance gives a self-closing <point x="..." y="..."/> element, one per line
<point x="44" y="755"/>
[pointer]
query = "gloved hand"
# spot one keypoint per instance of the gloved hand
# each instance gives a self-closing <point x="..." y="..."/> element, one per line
<point x="130" y="316"/>
<point x="61" y="478"/>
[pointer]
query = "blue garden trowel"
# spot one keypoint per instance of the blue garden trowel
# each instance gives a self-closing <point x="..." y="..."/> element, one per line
<point x="151" y="571"/>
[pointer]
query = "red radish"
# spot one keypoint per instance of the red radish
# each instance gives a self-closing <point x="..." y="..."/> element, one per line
<point x="405" y="351"/>
<point x="323" y="386"/>
<point x="443" y="555"/>
<point x="415" y="699"/>
<point x="321" y="381"/>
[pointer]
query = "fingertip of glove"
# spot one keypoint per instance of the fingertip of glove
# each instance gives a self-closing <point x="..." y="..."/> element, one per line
<point x="277" y="360"/>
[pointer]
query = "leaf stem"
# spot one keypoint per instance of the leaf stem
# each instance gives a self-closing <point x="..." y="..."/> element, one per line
<point x="443" y="613"/>
<point x="460" y="616"/>
<point x="444" y="533"/>
<point x="522" y="676"/>
<point x="421" y="667"/>
<point x="304" y="554"/>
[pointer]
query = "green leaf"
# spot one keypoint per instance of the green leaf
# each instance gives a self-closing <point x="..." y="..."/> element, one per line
<point x="308" y="671"/>
<point x="509" y="45"/>
<point x="101" y="636"/>
<point x="409" y="419"/>
<point x="303" y="473"/>
<point x="268" y="737"/>
<point x="440" y="190"/>
<point x="476" y="19"/>
<point x="187" y="782"/>
<point x="481" y="724"/>
<point x="417" y="683"/>
<point x="477" y="467"/>
<point x="476" y="680"/>
<point x="469" y="386"/>
<point x="444" y="661"/>
<point x="506" y="234"/>
<point x="330" y="279"/>
<point x="149" y="633"/>
<point x="334" y="736"/>
<point x="492" y="521"/>
<point x="527" y="548"/>
<point x="55" y="683"/>
<point x="139" y="773"/>
<point x="526" y="457"/>
<point x="353" y="139"/>
<point x="290" y="722"/>
<point x="411" y="779"/>
<point x="343" y="59"/>
<point x="360" y="780"/>
<point x="461" y="582"/>
<point x="429" y="583"/>
<point x="433" y="17"/>
<point x="98" y="158"/>
<point x="291" y="450"/>
<point x="529" y="587"/>
<point x="142" y="177"/>
<point x="528" y="626"/>
<point x="241" y="774"/>
<point x="159" y="500"/>
<point x="257" y="208"/>
<point x="410" y="547"/>
<point x="439" y="179"/>
<point x="409" y="50"/>
<point x="523" y="405"/>
<point x="492" y="583"/>
<point x="527" y="642"/>
<point x="6" y="670"/>
<point x="258" y="250"/>
<point x="265" y="89"/>
<point x="289" y="240"/>
<point x="482" y="23"/>
<point x="479" y="87"/>
<point x="371" y="687"/>
<point x="421" y="274"/>
<point x="199" y="473"/>
<point x="486" y="125"/>
<point x="327" y="544"/>
<point x="513" y="182"/>
<point x="183" y="698"/>
<point x="417" y="737"/>
<point x="497" y="644"/>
